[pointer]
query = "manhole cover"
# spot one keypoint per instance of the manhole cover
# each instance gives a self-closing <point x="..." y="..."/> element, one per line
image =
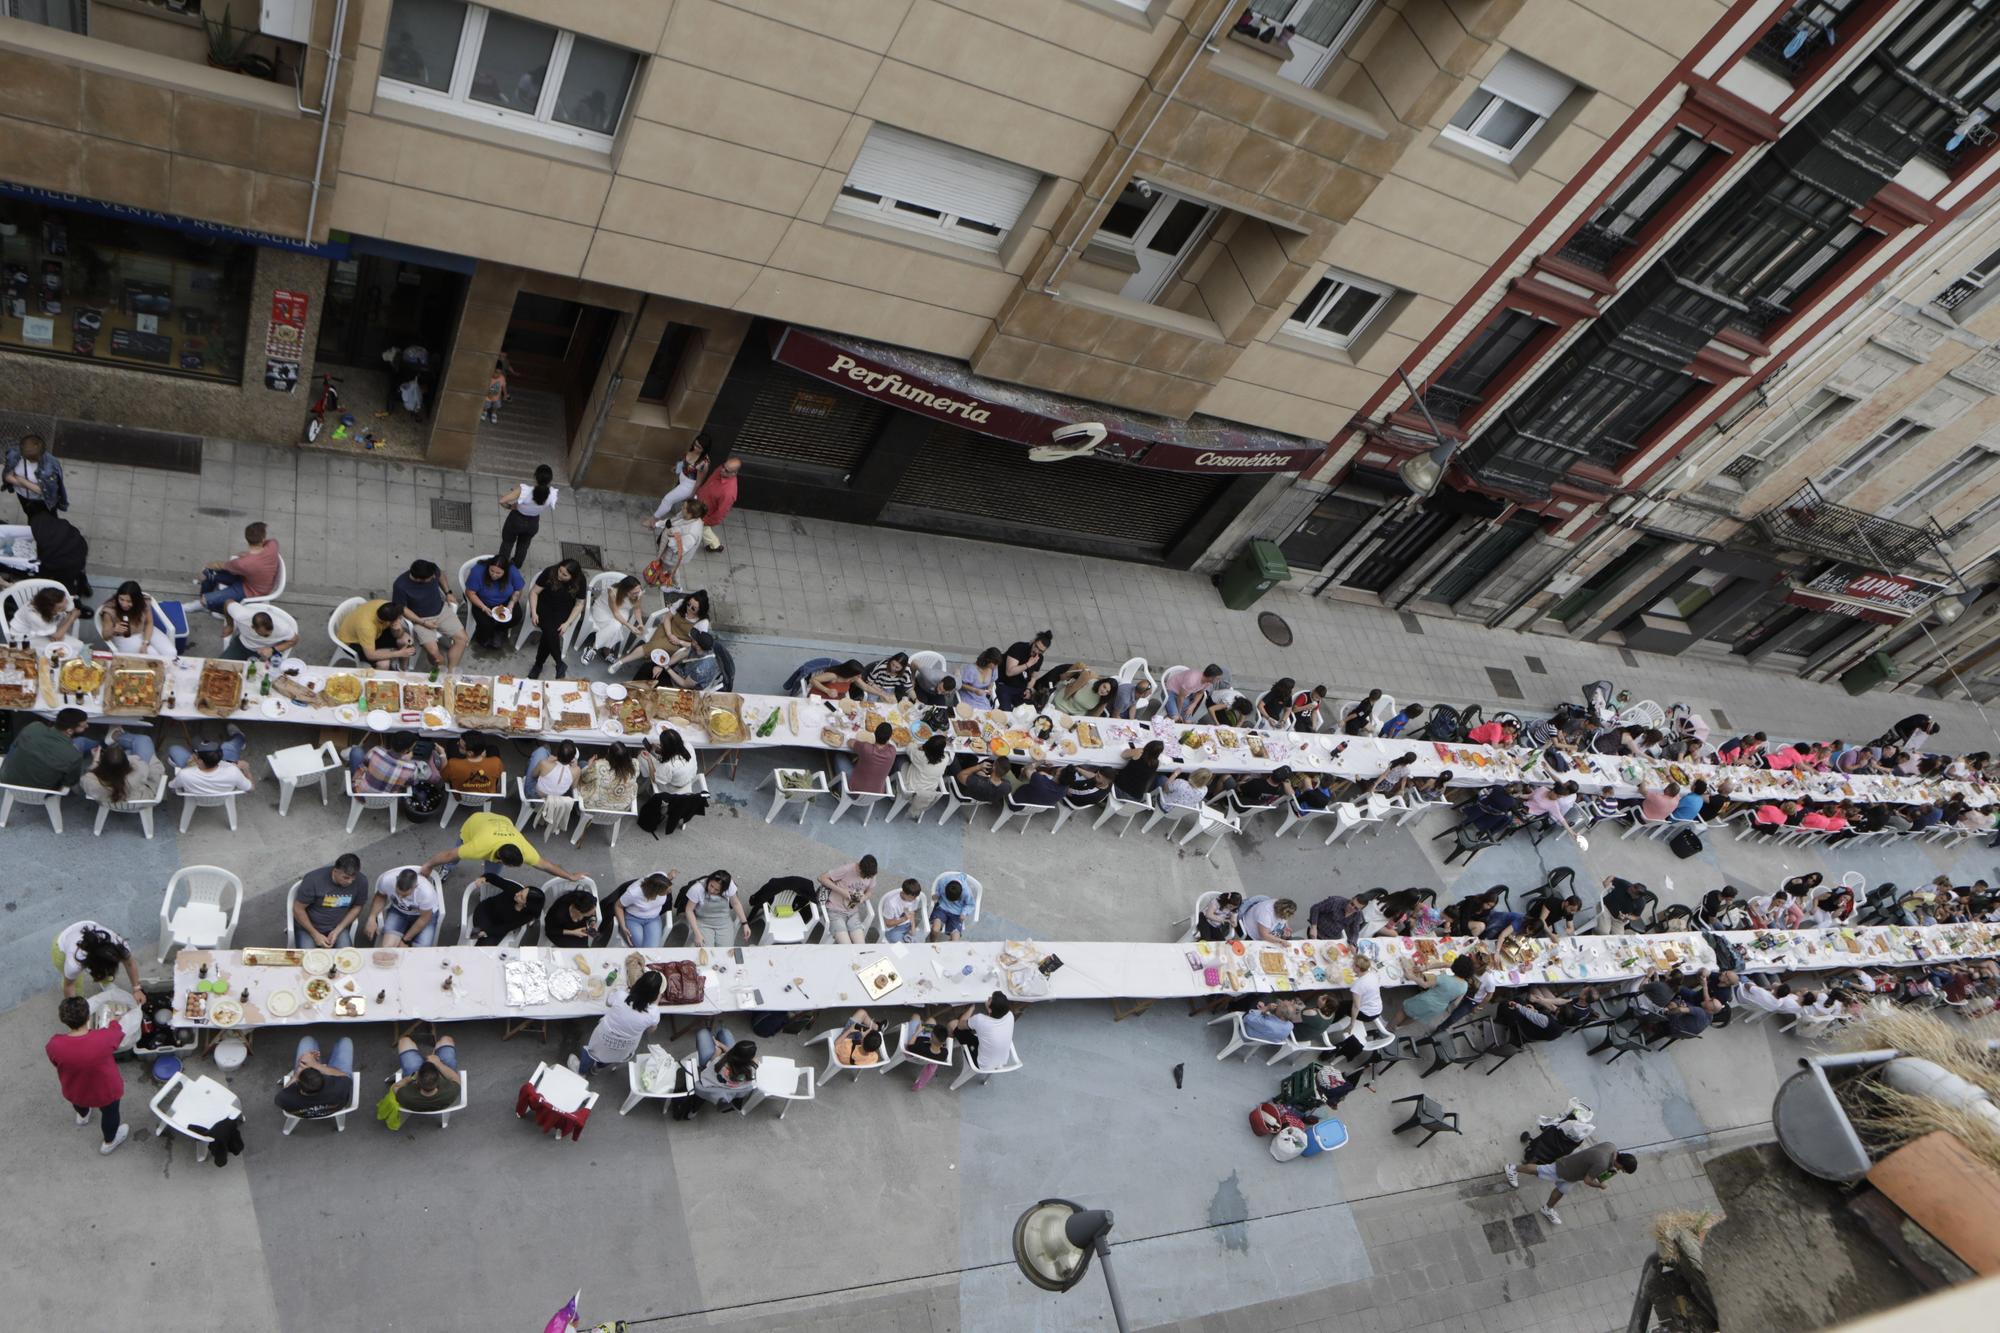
<point x="1275" y="629"/>
<point x="590" y="557"/>
<point x="451" y="515"/>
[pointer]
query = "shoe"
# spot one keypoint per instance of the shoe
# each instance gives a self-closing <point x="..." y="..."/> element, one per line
<point x="1513" y="1176"/>
<point x="1550" y="1213"/>
<point x="83" y="1120"/>
<point x="589" y="656"/>
<point x="124" y="1133"/>
<point x="576" y="1067"/>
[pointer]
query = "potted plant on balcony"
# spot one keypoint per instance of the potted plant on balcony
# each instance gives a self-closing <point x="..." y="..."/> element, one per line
<point x="229" y="48"/>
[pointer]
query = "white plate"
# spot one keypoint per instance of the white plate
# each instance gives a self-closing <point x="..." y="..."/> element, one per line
<point x="317" y="962"/>
<point x="503" y="614"/>
<point x="274" y="708"/>
<point x="347" y="713"/>
<point x="281" y="1004"/>
<point x="225" y="1013"/>
<point x="611" y="726"/>
<point x="380" y="719"/>
<point x="565" y="985"/>
<point x="598" y="688"/>
<point x="613" y="690"/>
<point x="659" y="656"/>
<point x="347" y="960"/>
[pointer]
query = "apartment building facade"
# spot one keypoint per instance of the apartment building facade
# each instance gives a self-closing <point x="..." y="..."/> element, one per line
<point x="1112" y="276"/>
<point x="1609" y="390"/>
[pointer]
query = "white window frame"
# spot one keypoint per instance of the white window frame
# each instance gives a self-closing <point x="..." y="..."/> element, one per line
<point x="457" y="99"/>
<point x="1339" y="283"/>
<point x="1887" y="444"/>
<point x="983" y="234"/>
<point x="1518" y="82"/>
<point x="1964" y="471"/>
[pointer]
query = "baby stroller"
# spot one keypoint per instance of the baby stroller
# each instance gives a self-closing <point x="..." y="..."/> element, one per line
<point x="1447" y="724"/>
<point x="1597" y="701"/>
<point x="1556" y="1137"/>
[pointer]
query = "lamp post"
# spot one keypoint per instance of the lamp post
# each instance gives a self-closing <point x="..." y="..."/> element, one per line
<point x="1053" y="1242"/>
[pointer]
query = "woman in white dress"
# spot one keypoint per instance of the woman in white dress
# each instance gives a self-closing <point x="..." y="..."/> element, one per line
<point x="127" y="624"/>
<point x="618" y="613"/>
<point x="688" y="474"/>
<point x="680" y="541"/>
<point x="45" y="620"/>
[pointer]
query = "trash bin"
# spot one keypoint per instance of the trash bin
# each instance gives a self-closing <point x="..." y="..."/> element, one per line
<point x="1869" y="672"/>
<point x="1257" y="568"/>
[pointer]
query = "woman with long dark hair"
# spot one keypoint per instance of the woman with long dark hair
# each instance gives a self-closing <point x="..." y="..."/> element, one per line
<point x="627" y="1019"/>
<point x="126" y="622"/>
<point x="86" y="950"/>
<point x="525" y="508"/>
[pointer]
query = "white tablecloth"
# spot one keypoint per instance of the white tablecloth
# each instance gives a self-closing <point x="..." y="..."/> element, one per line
<point x="1092" y="741"/>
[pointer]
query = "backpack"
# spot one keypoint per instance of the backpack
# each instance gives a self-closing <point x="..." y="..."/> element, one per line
<point x="425" y="800"/>
<point x="1288" y="1143"/>
<point x="652" y="812"/>
<point x="1685" y="843"/>
<point x="1726" y="957"/>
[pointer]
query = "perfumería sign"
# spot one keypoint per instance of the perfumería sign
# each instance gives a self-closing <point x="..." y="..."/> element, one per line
<point x="947" y="390"/>
<point x="1866" y="593"/>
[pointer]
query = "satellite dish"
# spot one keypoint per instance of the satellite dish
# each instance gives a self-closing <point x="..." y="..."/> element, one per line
<point x="1070" y="442"/>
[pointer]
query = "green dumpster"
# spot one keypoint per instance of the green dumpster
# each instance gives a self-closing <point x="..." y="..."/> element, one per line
<point x="1257" y="568"/>
<point x="1869" y="672"/>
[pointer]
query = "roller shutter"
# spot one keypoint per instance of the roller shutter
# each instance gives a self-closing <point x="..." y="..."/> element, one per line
<point x="798" y="419"/>
<point x="943" y="176"/>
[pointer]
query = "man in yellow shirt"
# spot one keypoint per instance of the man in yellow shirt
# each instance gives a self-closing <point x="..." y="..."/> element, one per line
<point x="495" y="840"/>
<point x="375" y="630"/>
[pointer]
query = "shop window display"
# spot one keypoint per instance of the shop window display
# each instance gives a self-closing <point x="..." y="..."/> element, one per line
<point x="121" y="293"/>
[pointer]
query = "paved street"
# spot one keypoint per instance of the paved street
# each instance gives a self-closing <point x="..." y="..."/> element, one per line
<point x="872" y="1207"/>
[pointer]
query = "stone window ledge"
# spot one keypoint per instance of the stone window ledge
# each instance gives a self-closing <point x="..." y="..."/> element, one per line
<point x="1248" y="69"/>
<point x="465" y="127"/>
<point x="1159" y="317"/>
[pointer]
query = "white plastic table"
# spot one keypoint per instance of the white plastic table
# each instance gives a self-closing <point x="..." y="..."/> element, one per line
<point x="198" y="925"/>
<point x="563" y="1089"/>
<point x="302" y="763"/>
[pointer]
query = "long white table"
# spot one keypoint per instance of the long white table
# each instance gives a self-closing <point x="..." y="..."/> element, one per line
<point x="520" y="984"/>
<point x="1055" y="737"/>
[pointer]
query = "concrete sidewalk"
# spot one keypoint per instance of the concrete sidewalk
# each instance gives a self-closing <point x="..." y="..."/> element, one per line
<point x="350" y="523"/>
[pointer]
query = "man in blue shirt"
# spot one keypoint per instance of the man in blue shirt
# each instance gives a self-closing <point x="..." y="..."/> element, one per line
<point x="432" y="613"/>
<point x="494" y="586"/>
<point x="1689" y="809"/>
<point x="1396" y="725"/>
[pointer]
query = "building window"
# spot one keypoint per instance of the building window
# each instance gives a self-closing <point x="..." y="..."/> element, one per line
<point x="907" y="180"/>
<point x="1338" y="308"/>
<point x="1158" y="232"/>
<point x="1973" y="282"/>
<point x="68" y="15"/>
<point x="1784" y="441"/>
<point x="1960" y="474"/>
<point x="487" y="65"/>
<point x="677" y="342"/>
<point x="1892" y="443"/>
<point x="1610" y="231"/>
<point x="1508" y="107"/>
<point x="1459" y="387"/>
<point x="118" y="293"/>
<point x="1315" y="30"/>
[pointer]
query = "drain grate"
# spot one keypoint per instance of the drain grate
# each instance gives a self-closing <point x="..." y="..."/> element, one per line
<point x="1628" y="657"/>
<point x="1721" y="718"/>
<point x="1412" y="623"/>
<point x="1536" y="665"/>
<point x="1275" y="629"/>
<point x="1504" y="683"/>
<point x="590" y="557"/>
<point x="90" y="442"/>
<point x="451" y="515"/>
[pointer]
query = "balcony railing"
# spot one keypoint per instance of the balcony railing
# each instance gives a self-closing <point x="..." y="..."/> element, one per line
<point x="1448" y="405"/>
<point x="1801" y="32"/>
<point x="1595" y="248"/>
<point x="1807" y="521"/>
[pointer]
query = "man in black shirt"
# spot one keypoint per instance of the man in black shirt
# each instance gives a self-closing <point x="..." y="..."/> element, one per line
<point x="1624" y="904"/>
<point x="1021" y="663"/>
<point x="319" y="1088"/>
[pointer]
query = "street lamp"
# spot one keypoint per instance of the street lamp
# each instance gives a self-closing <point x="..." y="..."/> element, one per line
<point x="1423" y="472"/>
<point x="1053" y="1242"/>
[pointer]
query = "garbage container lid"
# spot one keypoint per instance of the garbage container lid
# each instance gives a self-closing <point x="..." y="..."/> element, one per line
<point x="1269" y="559"/>
<point x="230" y="1053"/>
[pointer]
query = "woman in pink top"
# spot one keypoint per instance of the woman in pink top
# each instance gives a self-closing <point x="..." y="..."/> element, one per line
<point x="87" y="1071"/>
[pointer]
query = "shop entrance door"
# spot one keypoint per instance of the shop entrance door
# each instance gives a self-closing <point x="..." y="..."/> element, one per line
<point x="557" y="347"/>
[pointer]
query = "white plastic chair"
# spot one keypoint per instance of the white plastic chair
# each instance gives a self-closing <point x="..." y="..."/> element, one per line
<point x="183" y="1102"/>
<point x="226" y="803"/>
<point x="1174" y="815"/>
<point x="1347" y="817"/>
<point x="794" y="929"/>
<point x="1201" y="903"/>
<point x="637" y="1091"/>
<point x="17" y="595"/>
<point x="1161" y="692"/>
<point x="1239" y="1040"/>
<point x="974" y="894"/>
<point x="471" y="800"/>
<point x="51" y="801"/>
<point x="357" y="801"/>
<point x="805" y="1088"/>
<point x="612" y="819"/>
<point x="277" y="588"/>
<point x="477" y="892"/>
<point x="443" y="1114"/>
<point x="1116" y="806"/>
<point x="834" y="1068"/>
<point x="803" y="797"/>
<point x="905" y="799"/>
<point x="1292" y="1048"/>
<point x="953" y="801"/>
<point x="920" y="923"/>
<point x="142" y="808"/>
<point x="905" y="1056"/>
<point x="930" y="667"/>
<point x="1134" y="669"/>
<point x="292" y="933"/>
<point x="1215" y="826"/>
<point x="971" y="1069"/>
<point x="596" y="590"/>
<point x="1025" y="811"/>
<point x="1246" y="813"/>
<point x="562" y="1089"/>
<point x="1069" y="808"/>
<point x="866" y="801"/>
<point x="1298" y="814"/>
<point x="207" y="919"/>
<point x="339" y="1118"/>
<point x="343" y="654"/>
<point x="300" y="764"/>
<point x="1386" y="707"/>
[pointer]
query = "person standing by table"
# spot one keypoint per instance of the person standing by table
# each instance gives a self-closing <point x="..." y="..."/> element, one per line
<point x="87" y="1070"/>
<point x="843" y="893"/>
<point x="689" y="473"/>
<point x="35" y="477"/>
<point x="492" y="838"/>
<point x="627" y="1019"/>
<point x="86" y="949"/>
<point x="718" y="496"/>
<point x="525" y="509"/>
<point x="491" y="587"/>
<point x="1591" y="1166"/>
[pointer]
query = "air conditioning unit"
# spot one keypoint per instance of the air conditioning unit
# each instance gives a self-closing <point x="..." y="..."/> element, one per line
<point x="288" y="20"/>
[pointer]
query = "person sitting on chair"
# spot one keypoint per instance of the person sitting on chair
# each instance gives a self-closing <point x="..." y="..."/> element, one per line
<point x="948" y="912"/>
<point x="405" y="911"/>
<point x="572" y="922"/>
<point x="427" y="1082"/>
<point x="375" y="631"/>
<point x="318" y="1088"/>
<point x="511" y="907"/>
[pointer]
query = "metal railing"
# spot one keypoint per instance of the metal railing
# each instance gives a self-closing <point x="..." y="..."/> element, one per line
<point x="1808" y="521"/>
<point x="1595" y="248"/>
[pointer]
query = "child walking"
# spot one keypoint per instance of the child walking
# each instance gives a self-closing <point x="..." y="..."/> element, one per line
<point x="496" y="391"/>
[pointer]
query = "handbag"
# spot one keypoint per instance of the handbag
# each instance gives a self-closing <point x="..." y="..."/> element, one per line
<point x="685" y="983"/>
<point x="1684" y="843"/>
